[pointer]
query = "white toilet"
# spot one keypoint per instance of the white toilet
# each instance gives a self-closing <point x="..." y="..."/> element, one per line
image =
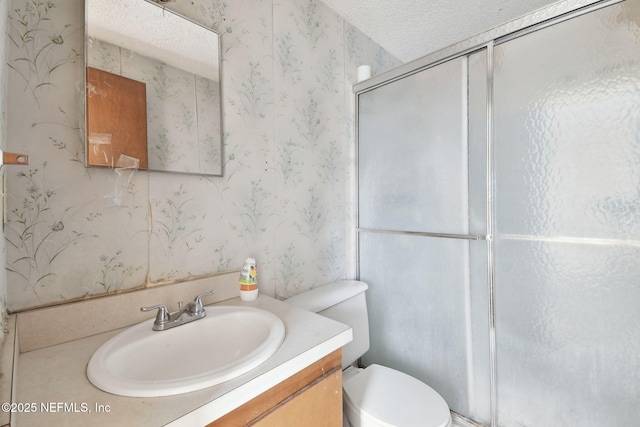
<point x="375" y="396"/>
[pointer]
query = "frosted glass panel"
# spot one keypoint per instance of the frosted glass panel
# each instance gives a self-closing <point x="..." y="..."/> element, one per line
<point x="567" y="270"/>
<point x="567" y="147"/>
<point x="566" y="204"/>
<point x="568" y="334"/>
<point x="420" y="299"/>
<point x="408" y="131"/>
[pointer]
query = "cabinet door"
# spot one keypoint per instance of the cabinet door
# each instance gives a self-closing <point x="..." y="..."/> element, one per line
<point x="317" y="405"/>
<point x="312" y="397"/>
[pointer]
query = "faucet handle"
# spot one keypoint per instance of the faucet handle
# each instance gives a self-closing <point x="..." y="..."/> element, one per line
<point x="163" y="313"/>
<point x="198" y="301"/>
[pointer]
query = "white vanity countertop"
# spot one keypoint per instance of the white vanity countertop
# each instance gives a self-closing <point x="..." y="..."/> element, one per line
<point x="52" y="382"/>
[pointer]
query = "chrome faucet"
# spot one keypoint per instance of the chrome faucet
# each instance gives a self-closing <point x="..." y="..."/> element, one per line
<point x="194" y="310"/>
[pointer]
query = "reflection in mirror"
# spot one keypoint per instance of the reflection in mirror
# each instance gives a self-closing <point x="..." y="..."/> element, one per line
<point x="141" y="53"/>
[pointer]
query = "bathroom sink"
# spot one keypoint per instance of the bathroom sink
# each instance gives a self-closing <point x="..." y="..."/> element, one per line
<point x="228" y="342"/>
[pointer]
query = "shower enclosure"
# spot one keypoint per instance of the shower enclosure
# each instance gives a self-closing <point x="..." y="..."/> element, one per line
<point x="499" y="219"/>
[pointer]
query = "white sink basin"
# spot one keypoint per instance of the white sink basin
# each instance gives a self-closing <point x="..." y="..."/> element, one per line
<point x="228" y="342"/>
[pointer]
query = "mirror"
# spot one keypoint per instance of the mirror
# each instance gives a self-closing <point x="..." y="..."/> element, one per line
<point x="153" y="89"/>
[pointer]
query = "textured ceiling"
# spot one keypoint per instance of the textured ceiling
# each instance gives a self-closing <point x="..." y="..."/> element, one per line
<point x="145" y="28"/>
<point x="409" y="29"/>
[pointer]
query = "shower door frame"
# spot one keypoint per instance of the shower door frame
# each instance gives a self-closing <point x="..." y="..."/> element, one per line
<point x="534" y="21"/>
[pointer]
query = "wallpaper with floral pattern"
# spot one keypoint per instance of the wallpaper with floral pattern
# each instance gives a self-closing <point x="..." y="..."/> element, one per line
<point x="286" y="196"/>
<point x="4" y="15"/>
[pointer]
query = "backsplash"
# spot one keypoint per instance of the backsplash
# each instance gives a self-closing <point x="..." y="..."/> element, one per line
<point x="286" y="194"/>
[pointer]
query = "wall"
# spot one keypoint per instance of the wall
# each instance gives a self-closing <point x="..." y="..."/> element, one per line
<point x="4" y="8"/>
<point x="285" y="195"/>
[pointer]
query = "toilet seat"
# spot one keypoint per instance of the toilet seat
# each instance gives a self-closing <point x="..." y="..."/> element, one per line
<point x="380" y="396"/>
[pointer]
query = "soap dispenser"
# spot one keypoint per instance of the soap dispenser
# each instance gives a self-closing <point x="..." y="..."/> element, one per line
<point x="249" y="280"/>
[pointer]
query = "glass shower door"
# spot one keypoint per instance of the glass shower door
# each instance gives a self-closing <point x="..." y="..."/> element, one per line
<point x="422" y="221"/>
<point x="561" y="259"/>
<point x="567" y="222"/>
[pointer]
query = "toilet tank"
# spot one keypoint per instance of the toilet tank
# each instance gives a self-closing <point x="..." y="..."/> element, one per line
<point x="343" y="301"/>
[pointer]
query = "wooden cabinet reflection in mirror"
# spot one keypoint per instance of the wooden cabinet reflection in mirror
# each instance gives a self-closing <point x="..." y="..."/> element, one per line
<point x="116" y="120"/>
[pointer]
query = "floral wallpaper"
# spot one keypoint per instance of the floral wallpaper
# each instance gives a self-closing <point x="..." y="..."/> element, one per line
<point x="286" y="196"/>
<point x="4" y="14"/>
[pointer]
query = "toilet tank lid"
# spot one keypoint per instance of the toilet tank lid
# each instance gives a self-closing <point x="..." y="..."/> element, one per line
<point x="325" y="296"/>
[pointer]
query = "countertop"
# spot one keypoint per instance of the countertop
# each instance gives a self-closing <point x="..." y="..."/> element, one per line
<point x="52" y="381"/>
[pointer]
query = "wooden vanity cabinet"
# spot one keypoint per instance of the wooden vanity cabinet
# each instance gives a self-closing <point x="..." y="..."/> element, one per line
<point x="312" y="398"/>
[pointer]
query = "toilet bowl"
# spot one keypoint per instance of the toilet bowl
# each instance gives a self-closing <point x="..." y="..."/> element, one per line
<point x="380" y="396"/>
<point x="375" y="396"/>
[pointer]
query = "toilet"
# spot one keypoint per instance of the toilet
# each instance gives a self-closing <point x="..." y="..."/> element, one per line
<point x="375" y="396"/>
